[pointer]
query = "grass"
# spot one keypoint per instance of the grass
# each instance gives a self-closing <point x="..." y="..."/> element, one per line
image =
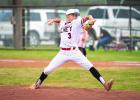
<point x="125" y="78"/>
<point x="28" y="54"/>
<point x="103" y="55"/>
<point x="99" y="55"/>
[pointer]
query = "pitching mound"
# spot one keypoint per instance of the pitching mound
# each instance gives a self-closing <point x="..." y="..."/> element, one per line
<point x="53" y="93"/>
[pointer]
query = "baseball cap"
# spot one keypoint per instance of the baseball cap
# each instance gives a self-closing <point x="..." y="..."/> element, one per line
<point x="77" y="11"/>
<point x="70" y="11"/>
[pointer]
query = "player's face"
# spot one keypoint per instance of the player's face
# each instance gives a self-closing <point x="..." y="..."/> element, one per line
<point x="70" y="17"/>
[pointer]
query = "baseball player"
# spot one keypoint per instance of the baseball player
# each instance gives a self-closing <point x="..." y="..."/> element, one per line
<point x="70" y="36"/>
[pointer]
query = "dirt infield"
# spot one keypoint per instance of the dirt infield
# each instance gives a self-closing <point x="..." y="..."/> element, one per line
<point x="42" y="63"/>
<point x="53" y="93"/>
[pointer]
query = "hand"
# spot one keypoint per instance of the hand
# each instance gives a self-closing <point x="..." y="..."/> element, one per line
<point x="50" y="21"/>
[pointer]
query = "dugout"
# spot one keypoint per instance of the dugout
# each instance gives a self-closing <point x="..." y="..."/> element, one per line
<point x="19" y="40"/>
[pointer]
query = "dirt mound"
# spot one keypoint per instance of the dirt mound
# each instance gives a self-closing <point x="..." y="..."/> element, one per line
<point x="55" y="93"/>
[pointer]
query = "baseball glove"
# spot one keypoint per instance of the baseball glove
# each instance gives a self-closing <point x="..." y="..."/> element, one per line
<point x="88" y="24"/>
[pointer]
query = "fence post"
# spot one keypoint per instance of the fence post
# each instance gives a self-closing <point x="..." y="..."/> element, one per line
<point x="130" y="29"/>
<point x="18" y="27"/>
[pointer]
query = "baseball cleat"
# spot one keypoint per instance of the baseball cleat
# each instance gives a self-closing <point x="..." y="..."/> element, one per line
<point x="36" y="85"/>
<point x="108" y="85"/>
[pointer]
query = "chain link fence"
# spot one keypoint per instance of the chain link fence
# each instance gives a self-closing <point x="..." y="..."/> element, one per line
<point x="120" y="22"/>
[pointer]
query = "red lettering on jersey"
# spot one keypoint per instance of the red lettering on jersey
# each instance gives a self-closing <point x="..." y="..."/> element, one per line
<point x="65" y="29"/>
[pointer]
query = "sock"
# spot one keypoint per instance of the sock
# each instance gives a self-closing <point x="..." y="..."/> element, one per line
<point x="102" y="80"/>
<point x="83" y="50"/>
<point x="41" y="78"/>
<point x="97" y="75"/>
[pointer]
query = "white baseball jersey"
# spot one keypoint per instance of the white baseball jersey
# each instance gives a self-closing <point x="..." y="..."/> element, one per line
<point x="71" y="33"/>
<point x="70" y="37"/>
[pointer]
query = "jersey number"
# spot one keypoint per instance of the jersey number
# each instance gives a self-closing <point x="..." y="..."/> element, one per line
<point x="69" y="35"/>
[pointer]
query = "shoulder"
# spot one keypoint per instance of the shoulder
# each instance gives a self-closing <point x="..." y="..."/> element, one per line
<point x="77" y="21"/>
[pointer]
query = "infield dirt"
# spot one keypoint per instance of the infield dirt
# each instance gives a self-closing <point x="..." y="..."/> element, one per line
<point x="55" y="93"/>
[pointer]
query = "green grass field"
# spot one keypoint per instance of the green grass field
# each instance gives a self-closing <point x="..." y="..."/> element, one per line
<point x="125" y="78"/>
<point x="100" y="55"/>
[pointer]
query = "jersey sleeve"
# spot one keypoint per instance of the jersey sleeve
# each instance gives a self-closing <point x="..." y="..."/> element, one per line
<point x="79" y="21"/>
<point x="61" y="25"/>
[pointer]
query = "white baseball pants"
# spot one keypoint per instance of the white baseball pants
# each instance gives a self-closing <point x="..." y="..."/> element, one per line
<point x="68" y="55"/>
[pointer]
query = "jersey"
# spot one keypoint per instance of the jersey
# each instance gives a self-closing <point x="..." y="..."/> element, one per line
<point x="71" y="33"/>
